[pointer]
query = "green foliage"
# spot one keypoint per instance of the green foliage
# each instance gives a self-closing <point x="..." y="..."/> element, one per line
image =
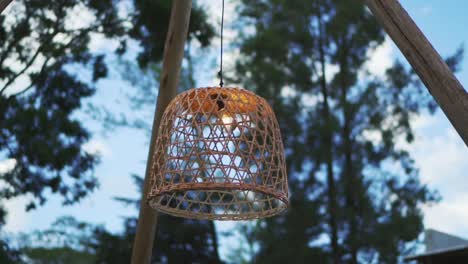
<point x="42" y="47"/>
<point x="39" y="95"/>
<point x="341" y="127"/>
<point x="57" y="256"/>
<point x="151" y="26"/>
<point x="9" y="255"/>
<point x="113" y="248"/>
<point x="66" y="241"/>
<point x="70" y="241"/>
<point x="178" y="240"/>
<point x="150" y="20"/>
<point x="355" y="195"/>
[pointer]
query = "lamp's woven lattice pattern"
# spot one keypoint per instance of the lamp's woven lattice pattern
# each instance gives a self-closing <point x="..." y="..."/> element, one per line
<point x="219" y="156"/>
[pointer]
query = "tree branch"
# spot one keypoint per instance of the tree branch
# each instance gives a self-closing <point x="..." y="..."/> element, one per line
<point x="28" y="64"/>
<point x="44" y="65"/>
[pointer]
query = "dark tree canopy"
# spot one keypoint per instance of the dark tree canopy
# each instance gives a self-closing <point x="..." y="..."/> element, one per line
<point x="43" y="46"/>
<point x="177" y="240"/>
<point x="39" y="95"/>
<point x="150" y="26"/>
<point x="71" y="241"/>
<point x="47" y="69"/>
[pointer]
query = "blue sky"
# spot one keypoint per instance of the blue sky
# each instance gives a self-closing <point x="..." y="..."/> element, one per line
<point x="439" y="152"/>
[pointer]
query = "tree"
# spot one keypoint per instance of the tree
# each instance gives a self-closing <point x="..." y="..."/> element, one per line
<point x="42" y="49"/>
<point x="71" y="241"/>
<point x="274" y="64"/>
<point x="66" y="241"/>
<point x="40" y="93"/>
<point x="309" y="60"/>
<point x="40" y="137"/>
<point x="178" y="240"/>
<point x="46" y="71"/>
<point x="9" y="255"/>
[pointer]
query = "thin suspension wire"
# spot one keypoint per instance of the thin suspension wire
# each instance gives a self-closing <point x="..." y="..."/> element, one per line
<point x="221" y="83"/>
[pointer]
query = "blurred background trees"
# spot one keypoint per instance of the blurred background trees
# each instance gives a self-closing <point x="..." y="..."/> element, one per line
<point x="40" y="92"/>
<point x="309" y="59"/>
<point x="355" y="196"/>
<point x="47" y="68"/>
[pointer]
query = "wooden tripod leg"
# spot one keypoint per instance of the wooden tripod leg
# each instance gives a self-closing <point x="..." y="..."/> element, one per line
<point x="428" y="64"/>
<point x="172" y="61"/>
<point x="4" y="4"/>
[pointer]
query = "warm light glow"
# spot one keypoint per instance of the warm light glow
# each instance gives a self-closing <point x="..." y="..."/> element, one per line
<point x="227" y="121"/>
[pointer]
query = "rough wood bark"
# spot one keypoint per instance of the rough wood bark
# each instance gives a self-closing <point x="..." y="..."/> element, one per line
<point x="431" y="68"/>
<point x="4" y="4"/>
<point x="173" y="55"/>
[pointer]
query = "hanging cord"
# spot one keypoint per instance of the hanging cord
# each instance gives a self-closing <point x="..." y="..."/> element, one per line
<point x="221" y="83"/>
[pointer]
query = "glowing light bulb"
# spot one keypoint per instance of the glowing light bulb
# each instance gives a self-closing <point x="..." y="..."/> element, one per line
<point x="227" y="121"/>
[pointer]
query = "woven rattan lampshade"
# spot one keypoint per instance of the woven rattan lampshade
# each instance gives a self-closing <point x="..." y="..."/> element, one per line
<point x="219" y="156"/>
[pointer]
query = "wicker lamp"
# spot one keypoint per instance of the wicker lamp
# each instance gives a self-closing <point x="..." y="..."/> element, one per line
<point x="219" y="156"/>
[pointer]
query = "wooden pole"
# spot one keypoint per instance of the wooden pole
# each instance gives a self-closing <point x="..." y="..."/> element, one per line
<point x="172" y="60"/>
<point x="4" y="4"/>
<point x="428" y="64"/>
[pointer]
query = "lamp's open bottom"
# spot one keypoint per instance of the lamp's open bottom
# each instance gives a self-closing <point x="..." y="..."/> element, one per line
<point x="219" y="201"/>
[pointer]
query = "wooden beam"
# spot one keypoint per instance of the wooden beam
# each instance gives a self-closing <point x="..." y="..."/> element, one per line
<point x="4" y="4"/>
<point x="172" y="61"/>
<point x="428" y="64"/>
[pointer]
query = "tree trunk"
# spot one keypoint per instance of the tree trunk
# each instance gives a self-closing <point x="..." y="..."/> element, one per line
<point x="348" y="174"/>
<point x="214" y="237"/>
<point x="331" y="192"/>
<point x="172" y="61"/>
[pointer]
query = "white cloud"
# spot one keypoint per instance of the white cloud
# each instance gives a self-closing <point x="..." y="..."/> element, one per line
<point x="450" y="216"/>
<point x="381" y="58"/>
<point x="17" y="219"/>
<point x="423" y="122"/>
<point x="331" y="70"/>
<point x="97" y="147"/>
<point x="7" y="165"/>
<point x="442" y="157"/>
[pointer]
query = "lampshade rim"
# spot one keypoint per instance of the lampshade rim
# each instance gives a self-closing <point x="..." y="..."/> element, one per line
<point x="219" y="186"/>
<point x="220" y="217"/>
<point x="213" y="187"/>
